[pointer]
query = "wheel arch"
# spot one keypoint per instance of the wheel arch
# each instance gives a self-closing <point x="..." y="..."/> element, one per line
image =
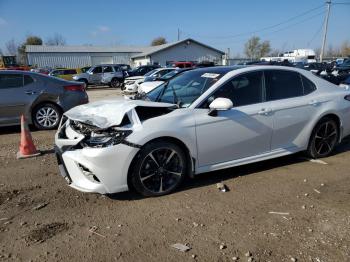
<point x="190" y="159"/>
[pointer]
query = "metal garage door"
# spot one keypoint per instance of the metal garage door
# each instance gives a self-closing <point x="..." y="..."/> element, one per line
<point x="97" y="60"/>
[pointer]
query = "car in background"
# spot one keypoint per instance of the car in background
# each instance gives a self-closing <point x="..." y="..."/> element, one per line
<point x="41" y="70"/>
<point x="148" y="86"/>
<point x="345" y="83"/>
<point x="345" y="66"/>
<point x="41" y="99"/>
<point x="131" y="84"/>
<point x="66" y="74"/>
<point x="84" y="69"/>
<point x="94" y="75"/>
<point x="142" y="70"/>
<point x="116" y="77"/>
<point x="204" y="120"/>
<point x="182" y="64"/>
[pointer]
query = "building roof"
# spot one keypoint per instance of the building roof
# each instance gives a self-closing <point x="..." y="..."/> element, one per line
<point x="84" y="49"/>
<point x="141" y="51"/>
<point x="155" y="49"/>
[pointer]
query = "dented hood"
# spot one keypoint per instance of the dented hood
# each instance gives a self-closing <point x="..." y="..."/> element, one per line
<point x="107" y="113"/>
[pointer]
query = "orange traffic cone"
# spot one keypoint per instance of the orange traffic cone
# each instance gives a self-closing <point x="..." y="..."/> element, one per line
<point x="27" y="147"/>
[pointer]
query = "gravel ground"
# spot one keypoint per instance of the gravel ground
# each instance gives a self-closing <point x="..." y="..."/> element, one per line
<point x="42" y="219"/>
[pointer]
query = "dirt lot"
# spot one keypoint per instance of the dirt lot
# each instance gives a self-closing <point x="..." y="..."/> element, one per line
<point x="42" y="219"/>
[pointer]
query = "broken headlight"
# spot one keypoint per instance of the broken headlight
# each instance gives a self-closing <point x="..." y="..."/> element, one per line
<point x="105" y="138"/>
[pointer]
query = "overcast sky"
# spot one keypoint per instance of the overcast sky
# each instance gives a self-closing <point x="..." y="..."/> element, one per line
<point x="222" y="23"/>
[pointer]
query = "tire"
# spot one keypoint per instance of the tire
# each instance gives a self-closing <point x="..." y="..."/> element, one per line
<point x="324" y="138"/>
<point x="115" y="83"/>
<point x="85" y="82"/>
<point x="46" y="116"/>
<point x="159" y="169"/>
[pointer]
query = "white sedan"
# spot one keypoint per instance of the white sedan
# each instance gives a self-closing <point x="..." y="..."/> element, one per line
<point x="202" y="120"/>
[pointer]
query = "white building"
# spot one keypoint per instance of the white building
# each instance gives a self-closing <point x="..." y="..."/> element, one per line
<point x="79" y="56"/>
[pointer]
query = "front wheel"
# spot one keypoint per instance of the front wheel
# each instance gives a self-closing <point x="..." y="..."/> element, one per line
<point x="324" y="138"/>
<point x="159" y="169"/>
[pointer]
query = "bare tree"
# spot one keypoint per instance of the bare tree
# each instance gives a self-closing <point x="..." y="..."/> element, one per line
<point x="11" y="47"/>
<point x="345" y="49"/>
<point x="56" y="39"/>
<point x="254" y="49"/>
<point x="158" y="41"/>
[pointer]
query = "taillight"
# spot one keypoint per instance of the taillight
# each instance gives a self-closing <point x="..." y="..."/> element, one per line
<point x="74" y="88"/>
<point x="347" y="97"/>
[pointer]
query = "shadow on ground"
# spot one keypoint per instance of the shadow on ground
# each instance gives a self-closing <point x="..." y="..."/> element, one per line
<point x="212" y="178"/>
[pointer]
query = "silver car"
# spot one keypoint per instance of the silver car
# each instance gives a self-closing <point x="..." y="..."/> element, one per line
<point x="96" y="73"/>
<point x="42" y="99"/>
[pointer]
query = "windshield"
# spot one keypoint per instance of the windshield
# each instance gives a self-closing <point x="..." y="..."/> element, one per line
<point x="185" y="88"/>
<point x="169" y="75"/>
<point x="151" y="72"/>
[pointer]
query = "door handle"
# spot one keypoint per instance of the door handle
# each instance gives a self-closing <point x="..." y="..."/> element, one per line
<point x="30" y="92"/>
<point x="314" y="103"/>
<point x="265" y="111"/>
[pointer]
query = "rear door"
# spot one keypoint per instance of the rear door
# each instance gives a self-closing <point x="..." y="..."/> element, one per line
<point x="16" y="94"/>
<point x="293" y="106"/>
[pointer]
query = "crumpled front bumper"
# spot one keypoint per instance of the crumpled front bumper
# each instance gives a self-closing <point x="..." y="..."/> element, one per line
<point x="97" y="170"/>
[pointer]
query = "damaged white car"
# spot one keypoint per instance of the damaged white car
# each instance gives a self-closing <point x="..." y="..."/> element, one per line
<point x="202" y="120"/>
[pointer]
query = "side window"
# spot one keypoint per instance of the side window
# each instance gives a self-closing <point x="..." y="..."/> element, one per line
<point x="70" y="72"/>
<point x="163" y="72"/>
<point x="11" y="81"/>
<point x="309" y="87"/>
<point x="282" y="84"/>
<point x="97" y="70"/>
<point x="28" y="80"/>
<point x="245" y="89"/>
<point x="107" y="69"/>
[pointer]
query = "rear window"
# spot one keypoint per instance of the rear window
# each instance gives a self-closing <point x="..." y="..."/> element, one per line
<point x="282" y="84"/>
<point x="70" y="72"/>
<point x="11" y="81"/>
<point x="28" y="80"/>
<point x="309" y="86"/>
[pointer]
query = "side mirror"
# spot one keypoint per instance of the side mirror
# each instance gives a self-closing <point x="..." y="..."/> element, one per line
<point x="219" y="104"/>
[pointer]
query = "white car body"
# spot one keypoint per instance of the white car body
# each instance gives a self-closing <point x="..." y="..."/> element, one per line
<point x="238" y="136"/>
<point x="132" y="83"/>
<point x="149" y="86"/>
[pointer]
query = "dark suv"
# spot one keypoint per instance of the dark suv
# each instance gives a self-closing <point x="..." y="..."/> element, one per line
<point x="142" y="70"/>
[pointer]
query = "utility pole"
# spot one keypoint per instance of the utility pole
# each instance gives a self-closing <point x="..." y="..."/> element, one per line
<point x="325" y="30"/>
<point x="178" y="34"/>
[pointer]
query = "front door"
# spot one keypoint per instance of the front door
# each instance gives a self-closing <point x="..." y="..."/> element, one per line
<point x="96" y="75"/>
<point x="243" y="131"/>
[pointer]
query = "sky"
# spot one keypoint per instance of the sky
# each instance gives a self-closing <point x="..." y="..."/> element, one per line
<point x="287" y="24"/>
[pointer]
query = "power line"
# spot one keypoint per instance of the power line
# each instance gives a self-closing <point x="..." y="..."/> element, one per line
<point x="265" y="28"/>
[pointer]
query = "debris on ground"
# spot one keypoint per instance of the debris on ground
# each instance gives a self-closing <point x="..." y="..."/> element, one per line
<point x="248" y="254"/>
<point x="293" y="259"/>
<point x="93" y="230"/>
<point x="303" y="207"/>
<point x="181" y="247"/>
<point x="46" y="232"/>
<point x="40" y="206"/>
<point x="279" y="213"/>
<point x="318" y="161"/>
<point x="194" y="256"/>
<point x="222" y="246"/>
<point x="306" y="194"/>
<point x="195" y="224"/>
<point x="222" y="187"/>
<point x="317" y="191"/>
<point x="235" y="258"/>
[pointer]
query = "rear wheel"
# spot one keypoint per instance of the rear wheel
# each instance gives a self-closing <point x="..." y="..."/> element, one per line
<point x="159" y="169"/>
<point x="324" y="138"/>
<point x="115" y="83"/>
<point x="46" y="116"/>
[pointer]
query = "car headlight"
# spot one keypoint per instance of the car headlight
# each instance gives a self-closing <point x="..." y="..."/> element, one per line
<point x="75" y="77"/>
<point x="106" y="139"/>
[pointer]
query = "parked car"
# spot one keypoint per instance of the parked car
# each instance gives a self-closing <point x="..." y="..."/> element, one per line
<point x="94" y="75"/>
<point x="131" y="84"/>
<point x="42" y="99"/>
<point x="147" y="86"/>
<point x="41" y="70"/>
<point x="182" y="64"/>
<point x="116" y="77"/>
<point x="203" y="120"/>
<point x="84" y="69"/>
<point x="345" y="66"/>
<point x="66" y="74"/>
<point x="346" y="83"/>
<point x="142" y="70"/>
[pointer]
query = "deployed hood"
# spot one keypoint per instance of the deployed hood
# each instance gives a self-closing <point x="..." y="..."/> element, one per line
<point x="148" y="86"/>
<point x="104" y="114"/>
